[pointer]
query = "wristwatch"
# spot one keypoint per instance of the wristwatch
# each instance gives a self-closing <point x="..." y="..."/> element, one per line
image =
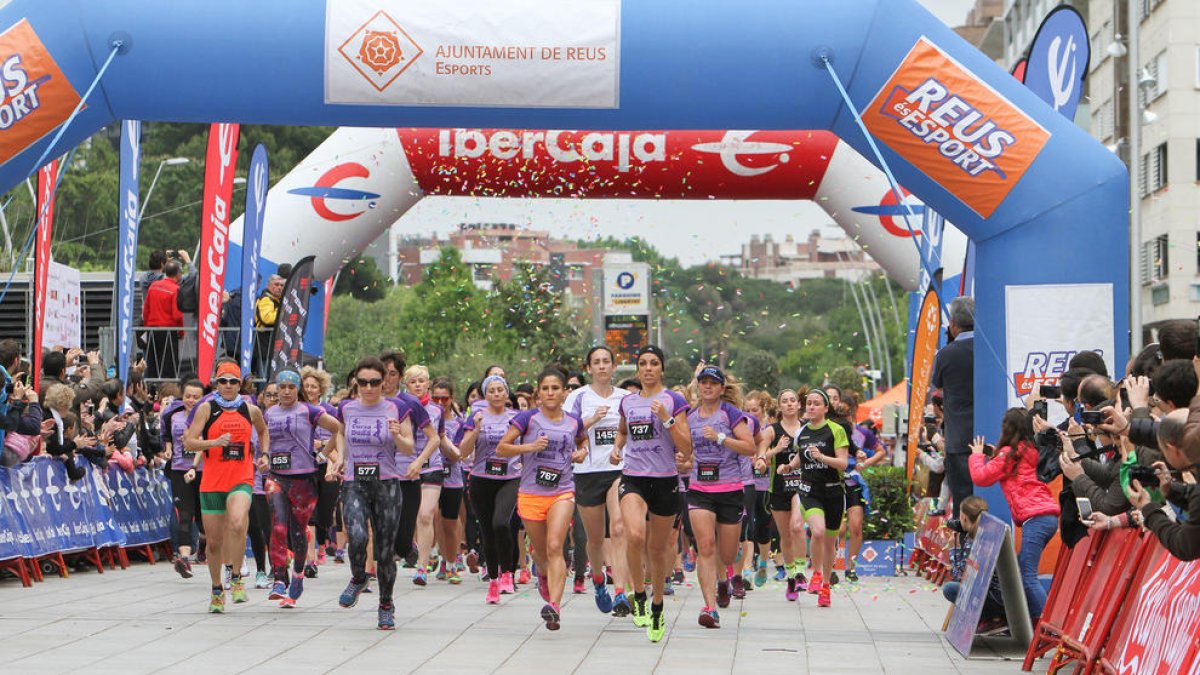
<point x="721" y="438"/>
<point x="670" y="422"/>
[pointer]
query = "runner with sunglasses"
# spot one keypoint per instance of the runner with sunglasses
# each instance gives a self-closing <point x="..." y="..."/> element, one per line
<point x="450" y="501"/>
<point x="597" y="480"/>
<point x="292" y="485"/>
<point x="777" y="449"/>
<point x="651" y="437"/>
<point x="550" y="441"/>
<point x="376" y="431"/>
<point x="220" y="434"/>
<point x="315" y="384"/>
<point x="184" y="486"/>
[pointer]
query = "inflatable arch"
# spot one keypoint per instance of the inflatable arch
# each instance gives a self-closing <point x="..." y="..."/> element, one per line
<point x="960" y="133"/>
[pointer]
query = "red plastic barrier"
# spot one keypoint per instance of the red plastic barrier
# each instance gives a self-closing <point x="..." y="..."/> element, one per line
<point x="1072" y="564"/>
<point x="1165" y="624"/>
<point x="1119" y="634"/>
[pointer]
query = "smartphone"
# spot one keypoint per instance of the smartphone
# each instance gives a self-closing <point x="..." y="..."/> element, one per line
<point x="1091" y="416"/>
<point x="1085" y="508"/>
<point x="1041" y="408"/>
<point x="1125" y="400"/>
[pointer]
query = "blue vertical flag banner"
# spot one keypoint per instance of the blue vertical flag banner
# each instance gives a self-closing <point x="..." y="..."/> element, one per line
<point x="131" y="151"/>
<point x="1058" y="60"/>
<point x="252" y="224"/>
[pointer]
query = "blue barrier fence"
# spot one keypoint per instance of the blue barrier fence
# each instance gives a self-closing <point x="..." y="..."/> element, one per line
<point x="42" y="512"/>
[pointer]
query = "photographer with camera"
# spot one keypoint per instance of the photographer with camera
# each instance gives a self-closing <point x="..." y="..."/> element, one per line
<point x="1034" y="509"/>
<point x="63" y="433"/>
<point x="20" y="414"/>
<point x="933" y="451"/>
<point x="992" y="618"/>
<point x="160" y="309"/>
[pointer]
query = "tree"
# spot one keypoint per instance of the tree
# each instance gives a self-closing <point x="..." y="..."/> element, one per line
<point x="537" y="318"/>
<point x="759" y="370"/>
<point x="363" y="279"/>
<point x="358" y="328"/>
<point x="847" y="378"/>
<point x="447" y="306"/>
<point x="677" y="371"/>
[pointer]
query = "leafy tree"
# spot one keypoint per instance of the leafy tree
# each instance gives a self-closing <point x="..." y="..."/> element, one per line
<point x="447" y="306"/>
<point x="759" y="370"/>
<point x="847" y="378"/>
<point x="358" y="327"/>
<point x="537" y="318"/>
<point x="362" y="279"/>
<point x="677" y="371"/>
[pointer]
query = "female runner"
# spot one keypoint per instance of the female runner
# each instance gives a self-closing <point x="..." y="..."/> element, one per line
<point x="416" y="380"/>
<point x="551" y="440"/>
<point x="450" y="501"/>
<point x="186" y="492"/>
<point x="315" y="384"/>
<point x="778" y="450"/>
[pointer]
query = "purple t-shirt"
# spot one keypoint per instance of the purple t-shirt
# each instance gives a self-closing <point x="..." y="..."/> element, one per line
<point x="491" y="429"/>
<point x="420" y="418"/>
<point x="320" y="434"/>
<point x="174" y="424"/>
<point x="371" y="453"/>
<point x="747" y="463"/>
<point x="649" y="448"/>
<point x="550" y="471"/>
<point x="452" y="476"/>
<point x="436" y="460"/>
<point x="292" y="431"/>
<point x="715" y="468"/>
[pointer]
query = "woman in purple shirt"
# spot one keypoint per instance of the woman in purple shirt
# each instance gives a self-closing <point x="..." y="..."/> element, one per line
<point x="551" y="440"/>
<point x="375" y="430"/>
<point x="315" y="385"/>
<point x="652" y="437"/>
<point x="450" y="501"/>
<point x="720" y="437"/>
<point x="416" y="381"/>
<point x="186" y="492"/>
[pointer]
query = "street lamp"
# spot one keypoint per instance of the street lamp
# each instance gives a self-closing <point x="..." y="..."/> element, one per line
<point x="173" y="161"/>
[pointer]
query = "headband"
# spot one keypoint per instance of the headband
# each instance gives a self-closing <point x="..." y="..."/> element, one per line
<point x="824" y="396"/>
<point x="493" y="378"/>
<point x="228" y="368"/>
<point x="287" y="376"/>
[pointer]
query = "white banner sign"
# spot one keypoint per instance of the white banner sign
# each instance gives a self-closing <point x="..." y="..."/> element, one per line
<point x="63" y="308"/>
<point x="521" y="53"/>
<point x="1049" y="324"/>
<point x="627" y="289"/>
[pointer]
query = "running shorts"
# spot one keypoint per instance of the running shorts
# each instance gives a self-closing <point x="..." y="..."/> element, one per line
<point x="214" y="502"/>
<point x="661" y="494"/>
<point x="450" y="502"/>
<point x="591" y="489"/>
<point x="537" y="507"/>
<point x="729" y="507"/>
<point x="831" y="502"/>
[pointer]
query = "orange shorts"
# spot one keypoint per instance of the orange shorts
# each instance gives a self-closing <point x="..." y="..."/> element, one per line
<point x="536" y="507"/>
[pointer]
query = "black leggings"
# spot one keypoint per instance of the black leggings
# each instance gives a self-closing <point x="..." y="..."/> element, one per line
<point x="579" y="555"/>
<point x="410" y="491"/>
<point x="260" y="531"/>
<point x="761" y="531"/>
<point x="749" y="516"/>
<point x="495" y="501"/>
<point x="327" y="498"/>
<point x="373" y="506"/>
<point x="186" y="497"/>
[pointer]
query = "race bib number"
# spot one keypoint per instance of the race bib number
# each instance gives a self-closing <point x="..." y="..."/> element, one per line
<point x="496" y="467"/>
<point x="446" y="471"/>
<point x="281" y="461"/>
<point x="794" y="484"/>
<point x="641" y="431"/>
<point x="548" y="477"/>
<point x="366" y="472"/>
<point x="708" y="473"/>
<point x="606" y="436"/>
<point x="234" y="452"/>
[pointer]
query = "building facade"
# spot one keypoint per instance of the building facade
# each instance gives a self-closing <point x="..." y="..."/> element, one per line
<point x="791" y="261"/>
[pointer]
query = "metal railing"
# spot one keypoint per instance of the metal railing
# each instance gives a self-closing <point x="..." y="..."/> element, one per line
<point x="170" y="353"/>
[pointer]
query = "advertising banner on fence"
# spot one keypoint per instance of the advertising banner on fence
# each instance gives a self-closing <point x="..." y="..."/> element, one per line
<point x="473" y="53"/>
<point x="953" y="126"/>
<point x="47" y="181"/>
<point x="929" y="330"/>
<point x="287" y="342"/>
<point x="1040" y="343"/>
<point x="64" y="299"/>
<point x="37" y="96"/>
<point x="127" y="238"/>
<point x="1165" y="617"/>
<point x="252" y="227"/>
<point x="219" y="166"/>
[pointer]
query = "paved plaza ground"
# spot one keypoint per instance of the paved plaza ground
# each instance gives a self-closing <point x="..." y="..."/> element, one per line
<point x="147" y="619"/>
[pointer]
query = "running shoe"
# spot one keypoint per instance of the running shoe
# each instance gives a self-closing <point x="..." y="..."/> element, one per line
<point x="226" y="575"/>
<point x="668" y="588"/>
<point x="295" y="589"/>
<point x="791" y="594"/>
<point x="339" y="556"/>
<point x="709" y="618"/>
<point x="483" y="576"/>
<point x="621" y="606"/>
<point x="453" y="577"/>
<point x="677" y="576"/>
<point x="641" y="613"/>
<point x="523" y="578"/>
<point x="493" y="594"/>
<point x="278" y="591"/>
<point x="321" y="556"/>
<point x="349" y="596"/>
<point x="310" y="570"/>
<point x="814" y="584"/>
<point x="823" y="599"/>
<point x="760" y="575"/>
<point x="441" y="572"/>
<point x="261" y="581"/>
<point x="579" y="588"/>
<point x="801" y="580"/>
<point x="833" y="579"/>
<point x="183" y="567"/>
<point x="689" y="563"/>
<point x="410" y="559"/>
<point x="993" y="626"/>
<point x="506" y="583"/>
<point x="738" y="587"/>
<point x="330" y="548"/>
<point x="473" y="562"/>
<point x="657" y="627"/>
<point x="419" y="577"/>
<point x="550" y="614"/>
<point x="852" y="575"/>
<point x="216" y="604"/>
<point x="543" y="586"/>
<point x="722" y="594"/>
<point x="387" y="618"/>
<point x="604" y="601"/>
<point x="238" y="590"/>
<point x="780" y="573"/>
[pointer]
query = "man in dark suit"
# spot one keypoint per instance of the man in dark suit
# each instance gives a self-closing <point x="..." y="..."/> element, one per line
<point x="954" y="374"/>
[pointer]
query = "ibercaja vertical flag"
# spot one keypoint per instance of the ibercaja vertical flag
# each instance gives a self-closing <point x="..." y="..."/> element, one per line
<point x="127" y="238"/>
<point x="929" y="327"/>
<point x="287" y="342"/>
<point x="47" y="181"/>
<point x="252" y="226"/>
<point x="214" y="241"/>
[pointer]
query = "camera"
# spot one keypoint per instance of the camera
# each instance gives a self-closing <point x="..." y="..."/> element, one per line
<point x="1051" y="391"/>
<point x="1049" y="438"/>
<point x="1144" y="475"/>
<point x="1040" y="408"/>
<point x="931" y="419"/>
<point x="1091" y="416"/>
<point x="955" y="525"/>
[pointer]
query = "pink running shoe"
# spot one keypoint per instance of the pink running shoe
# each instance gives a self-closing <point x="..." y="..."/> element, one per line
<point x="814" y="584"/>
<point x="523" y="577"/>
<point x="506" y="583"/>
<point x="544" y="588"/>
<point x="493" y="594"/>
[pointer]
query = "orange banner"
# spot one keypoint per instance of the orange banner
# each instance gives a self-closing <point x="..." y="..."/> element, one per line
<point x="953" y="126"/>
<point x="35" y="96"/>
<point x="929" y="327"/>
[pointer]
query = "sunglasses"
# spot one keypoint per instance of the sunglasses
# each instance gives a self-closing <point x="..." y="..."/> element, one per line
<point x="440" y="399"/>
<point x="373" y="382"/>
<point x="228" y="380"/>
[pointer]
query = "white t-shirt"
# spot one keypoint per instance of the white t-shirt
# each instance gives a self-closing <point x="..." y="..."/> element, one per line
<point x="603" y="434"/>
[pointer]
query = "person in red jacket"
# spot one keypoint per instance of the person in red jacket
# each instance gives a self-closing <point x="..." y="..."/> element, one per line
<point x="1034" y="509"/>
<point x="159" y="310"/>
